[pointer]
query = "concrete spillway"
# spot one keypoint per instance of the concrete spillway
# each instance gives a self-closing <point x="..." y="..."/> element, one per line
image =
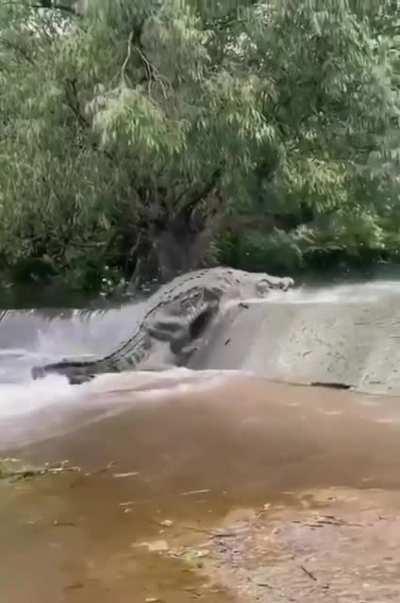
<point x="348" y="335"/>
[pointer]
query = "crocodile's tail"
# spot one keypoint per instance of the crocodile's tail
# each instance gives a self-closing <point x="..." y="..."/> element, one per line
<point x="79" y="371"/>
<point x="124" y="358"/>
<point x="76" y="371"/>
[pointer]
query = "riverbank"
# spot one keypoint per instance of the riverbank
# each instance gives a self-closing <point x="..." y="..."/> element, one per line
<point x="218" y="490"/>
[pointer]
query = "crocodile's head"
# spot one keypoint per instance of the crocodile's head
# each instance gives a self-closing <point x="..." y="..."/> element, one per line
<point x="255" y="284"/>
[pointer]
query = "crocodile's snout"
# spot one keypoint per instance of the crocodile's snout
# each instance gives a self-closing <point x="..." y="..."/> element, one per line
<point x="265" y="284"/>
<point x="286" y="283"/>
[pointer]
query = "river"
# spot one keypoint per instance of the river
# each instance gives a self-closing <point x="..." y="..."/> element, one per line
<point x="222" y="483"/>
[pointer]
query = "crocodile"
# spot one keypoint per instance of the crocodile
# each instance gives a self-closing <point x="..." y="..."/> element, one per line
<point x="175" y="318"/>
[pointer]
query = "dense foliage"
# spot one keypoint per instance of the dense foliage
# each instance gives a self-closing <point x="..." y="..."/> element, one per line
<point x="146" y="137"/>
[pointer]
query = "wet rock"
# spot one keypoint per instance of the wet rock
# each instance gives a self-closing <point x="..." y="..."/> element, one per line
<point x="157" y="546"/>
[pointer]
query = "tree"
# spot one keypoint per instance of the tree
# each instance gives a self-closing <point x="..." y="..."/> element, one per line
<point x="332" y="95"/>
<point x="137" y="134"/>
<point x="133" y="133"/>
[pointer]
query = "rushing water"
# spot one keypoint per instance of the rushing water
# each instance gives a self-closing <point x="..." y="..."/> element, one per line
<point x="29" y="336"/>
<point x="35" y="336"/>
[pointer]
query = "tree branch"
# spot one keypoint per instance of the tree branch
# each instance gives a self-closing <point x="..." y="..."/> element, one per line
<point x="152" y="73"/>
<point x="17" y="49"/>
<point x="202" y="194"/>
<point x="73" y="102"/>
<point x="44" y="4"/>
<point x="127" y="58"/>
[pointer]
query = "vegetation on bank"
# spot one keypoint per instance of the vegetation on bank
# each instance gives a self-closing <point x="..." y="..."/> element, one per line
<point x="143" y="138"/>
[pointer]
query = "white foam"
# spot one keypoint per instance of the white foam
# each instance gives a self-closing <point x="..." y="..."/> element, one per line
<point x="157" y="381"/>
<point x="32" y="339"/>
<point x="17" y="400"/>
<point x="352" y="293"/>
<point x="32" y="397"/>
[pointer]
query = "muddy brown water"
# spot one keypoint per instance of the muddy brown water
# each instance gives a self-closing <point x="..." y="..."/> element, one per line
<point x="170" y="473"/>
